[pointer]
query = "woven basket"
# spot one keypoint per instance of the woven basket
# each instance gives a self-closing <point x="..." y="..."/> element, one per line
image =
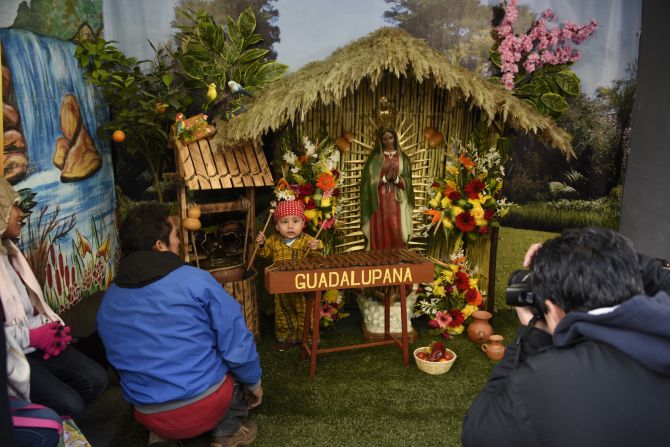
<point x="433" y="367"/>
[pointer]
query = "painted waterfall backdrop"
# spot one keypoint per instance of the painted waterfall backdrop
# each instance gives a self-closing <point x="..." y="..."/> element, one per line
<point x="52" y="152"/>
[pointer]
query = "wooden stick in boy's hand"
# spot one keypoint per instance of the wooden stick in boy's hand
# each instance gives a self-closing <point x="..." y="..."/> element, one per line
<point x="314" y="245"/>
<point x="260" y="239"/>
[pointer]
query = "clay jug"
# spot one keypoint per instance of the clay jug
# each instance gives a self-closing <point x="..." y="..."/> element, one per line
<point x="480" y="329"/>
<point x="494" y="348"/>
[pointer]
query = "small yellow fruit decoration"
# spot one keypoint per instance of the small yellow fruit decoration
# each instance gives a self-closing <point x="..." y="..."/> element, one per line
<point x="119" y="136"/>
<point x="192" y="224"/>
<point x="194" y="212"/>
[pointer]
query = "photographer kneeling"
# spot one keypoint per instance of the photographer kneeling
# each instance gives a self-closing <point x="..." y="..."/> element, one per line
<point x="594" y="368"/>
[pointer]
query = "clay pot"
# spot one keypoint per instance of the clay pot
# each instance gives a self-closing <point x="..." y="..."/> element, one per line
<point x="428" y="132"/>
<point x="343" y="144"/>
<point x="349" y="136"/>
<point x="228" y="274"/>
<point x="436" y="139"/>
<point x="494" y="348"/>
<point x="480" y="330"/>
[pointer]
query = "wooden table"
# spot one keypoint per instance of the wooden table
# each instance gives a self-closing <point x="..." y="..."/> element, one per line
<point x="348" y="271"/>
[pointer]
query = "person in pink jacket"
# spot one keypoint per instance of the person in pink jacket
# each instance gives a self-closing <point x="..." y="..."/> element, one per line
<point x="61" y="377"/>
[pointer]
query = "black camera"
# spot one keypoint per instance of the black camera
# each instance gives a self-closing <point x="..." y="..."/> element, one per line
<point x="520" y="294"/>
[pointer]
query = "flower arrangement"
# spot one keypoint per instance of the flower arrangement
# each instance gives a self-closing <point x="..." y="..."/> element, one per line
<point x="452" y="297"/>
<point x="465" y="202"/>
<point x="540" y="45"/>
<point x="331" y="308"/>
<point x="535" y="65"/>
<point x="310" y="174"/>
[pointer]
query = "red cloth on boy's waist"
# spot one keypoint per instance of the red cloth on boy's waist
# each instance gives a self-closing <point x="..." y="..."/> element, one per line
<point x="193" y="419"/>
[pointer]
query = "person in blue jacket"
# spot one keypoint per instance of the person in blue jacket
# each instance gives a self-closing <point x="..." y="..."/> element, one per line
<point x="186" y="360"/>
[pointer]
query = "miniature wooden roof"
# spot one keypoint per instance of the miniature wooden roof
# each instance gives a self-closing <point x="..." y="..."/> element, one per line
<point x="205" y="164"/>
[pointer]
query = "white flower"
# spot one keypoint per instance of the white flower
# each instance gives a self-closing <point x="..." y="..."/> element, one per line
<point x="310" y="149"/>
<point x="290" y="158"/>
<point x="285" y="194"/>
<point x="295" y="169"/>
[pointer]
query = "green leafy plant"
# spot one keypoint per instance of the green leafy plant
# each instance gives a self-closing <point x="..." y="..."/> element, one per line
<point x="144" y="102"/>
<point x="212" y="53"/>
<point x="141" y="103"/>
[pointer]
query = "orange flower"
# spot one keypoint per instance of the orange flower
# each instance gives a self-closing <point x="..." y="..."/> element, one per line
<point x="325" y="181"/>
<point x="437" y="216"/>
<point x="465" y="161"/>
<point x="282" y="184"/>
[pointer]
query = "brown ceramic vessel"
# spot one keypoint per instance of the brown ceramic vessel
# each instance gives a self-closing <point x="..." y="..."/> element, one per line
<point x="480" y="330"/>
<point x="494" y="348"/>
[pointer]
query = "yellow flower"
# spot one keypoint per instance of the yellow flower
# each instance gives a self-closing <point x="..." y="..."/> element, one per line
<point x="473" y="283"/>
<point x="435" y="201"/>
<point x="445" y="202"/>
<point x="310" y="214"/>
<point x="451" y="169"/>
<point x="457" y="210"/>
<point x="478" y="214"/>
<point x="475" y="203"/>
<point x="448" y="225"/>
<point x="453" y="267"/>
<point x="452" y="184"/>
<point x="325" y="202"/>
<point x="448" y="275"/>
<point x="456" y="330"/>
<point x="438" y="290"/>
<point x="469" y="310"/>
<point x="331" y="296"/>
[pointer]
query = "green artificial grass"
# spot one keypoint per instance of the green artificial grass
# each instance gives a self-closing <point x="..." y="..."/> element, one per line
<point x="365" y="397"/>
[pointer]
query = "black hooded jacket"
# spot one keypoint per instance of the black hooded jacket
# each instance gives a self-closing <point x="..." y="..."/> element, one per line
<point x="602" y="380"/>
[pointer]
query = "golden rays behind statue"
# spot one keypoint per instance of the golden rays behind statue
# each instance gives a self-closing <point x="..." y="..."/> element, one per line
<point x="385" y="182"/>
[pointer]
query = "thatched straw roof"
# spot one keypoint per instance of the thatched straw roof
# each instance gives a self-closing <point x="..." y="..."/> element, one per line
<point x="400" y="53"/>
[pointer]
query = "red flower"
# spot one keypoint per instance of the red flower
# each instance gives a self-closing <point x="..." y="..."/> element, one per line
<point x="462" y="281"/>
<point x="306" y="190"/>
<point x="336" y="192"/>
<point x="446" y="335"/>
<point x="454" y="196"/>
<point x="310" y="204"/>
<point x="465" y="222"/>
<point x="472" y="296"/>
<point x="448" y="289"/>
<point x="489" y="214"/>
<point x="433" y="324"/>
<point x="435" y="185"/>
<point x="484" y="230"/>
<point x="474" y="187"/>
<point x="457" y="318"/>
<point x="335" y="173"/>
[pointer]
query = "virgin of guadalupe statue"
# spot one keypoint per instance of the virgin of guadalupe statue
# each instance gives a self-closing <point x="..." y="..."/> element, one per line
<point x="387" y="194"/>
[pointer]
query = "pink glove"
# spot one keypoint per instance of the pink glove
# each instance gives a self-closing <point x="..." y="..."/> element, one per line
<point x="63" y="333"/>
<point x="50" y="338"/>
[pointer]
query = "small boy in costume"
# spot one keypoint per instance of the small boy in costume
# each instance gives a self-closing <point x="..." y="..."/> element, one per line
<point x="289" y="242"/>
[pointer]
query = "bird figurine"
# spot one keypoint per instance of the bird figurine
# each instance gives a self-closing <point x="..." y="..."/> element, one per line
<point x="238" y="89"/>
<point x="211" y="92"/>
<point x="179" y="123"/>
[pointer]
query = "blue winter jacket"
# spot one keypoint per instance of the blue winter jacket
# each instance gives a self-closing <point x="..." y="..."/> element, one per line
<point x="171" y="331"/>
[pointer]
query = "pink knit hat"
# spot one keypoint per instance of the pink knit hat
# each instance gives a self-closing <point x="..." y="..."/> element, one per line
<point x="290" y="208"/>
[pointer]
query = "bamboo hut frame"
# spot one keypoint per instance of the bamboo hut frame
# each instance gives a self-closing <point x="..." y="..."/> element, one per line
<point x="339" y="93"/>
